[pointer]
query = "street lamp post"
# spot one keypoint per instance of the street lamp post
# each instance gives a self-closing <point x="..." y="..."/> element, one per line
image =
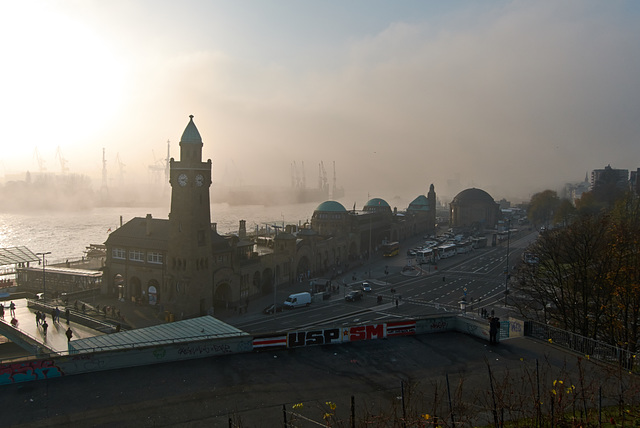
<point x="44" y="284"/>
<point x="506" y="273"/>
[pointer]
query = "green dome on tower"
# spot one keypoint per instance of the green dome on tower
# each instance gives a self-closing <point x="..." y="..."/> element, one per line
<point x="331" y="206"/>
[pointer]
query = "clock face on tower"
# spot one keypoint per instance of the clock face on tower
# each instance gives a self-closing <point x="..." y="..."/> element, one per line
<point x="182" y="180"/>
<point x="199" y="180"/>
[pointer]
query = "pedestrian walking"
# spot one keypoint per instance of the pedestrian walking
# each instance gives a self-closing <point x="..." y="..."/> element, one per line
<point x="69" y="334"/>
<point x="67" y="314"/>
<point x="494" y="327"/>
<point x="12" y="309"/>
<point x="43" y="318"/>
<point x="53" y="315"/>
<point x="44" y="327"/>
<point x="37" y="318"/>
<point x="2" y="310"/>
<point x="57" y="314"/>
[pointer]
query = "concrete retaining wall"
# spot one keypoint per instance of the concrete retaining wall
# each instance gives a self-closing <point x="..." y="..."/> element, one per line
<point x="77" y="363"/>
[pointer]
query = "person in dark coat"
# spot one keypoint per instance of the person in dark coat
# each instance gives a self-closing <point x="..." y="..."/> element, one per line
<point x="69" y="334"/>
<point x="494" y="327"/>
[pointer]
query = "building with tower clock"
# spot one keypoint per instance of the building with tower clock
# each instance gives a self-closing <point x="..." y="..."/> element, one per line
<point x="183" y="264"/>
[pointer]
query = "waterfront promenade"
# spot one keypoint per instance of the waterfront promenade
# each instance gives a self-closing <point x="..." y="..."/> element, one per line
<point x="55" y="339"/>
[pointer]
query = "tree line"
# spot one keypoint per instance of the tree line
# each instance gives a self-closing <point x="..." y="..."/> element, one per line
<point x="583" y="272"/>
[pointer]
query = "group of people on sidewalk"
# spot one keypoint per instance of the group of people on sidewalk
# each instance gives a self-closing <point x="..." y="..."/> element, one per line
<point x="12" y="313"/>
<point x="41" y="318"/>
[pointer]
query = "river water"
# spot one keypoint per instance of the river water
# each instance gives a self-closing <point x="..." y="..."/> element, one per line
<point x="67" y="234"/>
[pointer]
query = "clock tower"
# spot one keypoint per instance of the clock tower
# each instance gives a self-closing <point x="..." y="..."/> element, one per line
<point x="189" y="252"/>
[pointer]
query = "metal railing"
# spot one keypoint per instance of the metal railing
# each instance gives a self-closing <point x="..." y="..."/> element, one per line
<point x="590" y="348"/>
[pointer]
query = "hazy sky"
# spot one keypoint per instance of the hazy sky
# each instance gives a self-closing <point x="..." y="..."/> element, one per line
<point x="509" y="96"/>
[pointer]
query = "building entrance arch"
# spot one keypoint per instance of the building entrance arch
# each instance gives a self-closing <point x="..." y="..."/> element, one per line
<point x="135" y="287"/>
<point x="118" y="284"/>
<point x="267" y="281"/>
<point x="222" y="296"/>
<point x="302" y="269"/>
<point x="353" y="251"/>
<point x="153" y="291"/>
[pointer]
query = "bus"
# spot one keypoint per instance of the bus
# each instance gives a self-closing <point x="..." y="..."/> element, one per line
<point x="391" y="249"/>
<point x="426" y="255"/>
<point x="464" y="247"/>
<point x="447" y="250"/>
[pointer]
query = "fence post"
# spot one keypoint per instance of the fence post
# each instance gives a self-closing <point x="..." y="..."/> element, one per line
<point x="493" y="395"/>
<point x="453" y="423"/>
<point x="284" y="415"/>
<point x="353" y="412"/>
<point x="404" y="412"/>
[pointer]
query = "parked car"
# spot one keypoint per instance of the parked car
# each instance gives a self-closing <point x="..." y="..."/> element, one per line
<point x="366" y="287"/>
<point x="353" y="296"/>
<point x="269" y="309"/>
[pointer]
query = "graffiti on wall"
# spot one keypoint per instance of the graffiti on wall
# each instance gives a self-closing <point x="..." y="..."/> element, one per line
<point x="269" y="342"/>
<point x="364" y="332"/>
<point x="401" y="328"/>
<point x="29" y="370"/>
<point x="313" y="337"/>
<point x="205" y="349"/>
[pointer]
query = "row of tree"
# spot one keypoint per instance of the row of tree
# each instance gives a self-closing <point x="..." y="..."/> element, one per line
<point x="584" y="273"/>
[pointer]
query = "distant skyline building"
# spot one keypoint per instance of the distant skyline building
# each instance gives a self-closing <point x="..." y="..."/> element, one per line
<point x="574" y="191"/>
<point x="619" y="176"/>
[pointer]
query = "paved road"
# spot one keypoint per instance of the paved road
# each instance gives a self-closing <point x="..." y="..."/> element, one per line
<point x="477" y="276"/>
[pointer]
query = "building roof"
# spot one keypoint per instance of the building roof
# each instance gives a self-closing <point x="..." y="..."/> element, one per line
<point x="191" y="330"/>
<point x="134" y="234"/>
<point x="377" y="202"/>
<point x="284" y="236"/>
<point x="473" y="195"/>
<point x="421" y="203"/>
<point x="191" y="134"/>
<point x="15" y="255"/>
<point x="331" y="206"/>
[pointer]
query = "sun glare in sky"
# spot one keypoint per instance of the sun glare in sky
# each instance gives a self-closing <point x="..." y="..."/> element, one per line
<point x="61" y="73"/>
<point x="511" y="96"/>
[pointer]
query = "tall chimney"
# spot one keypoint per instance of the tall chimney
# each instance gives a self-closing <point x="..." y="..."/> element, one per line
<point x="148" y="224"/>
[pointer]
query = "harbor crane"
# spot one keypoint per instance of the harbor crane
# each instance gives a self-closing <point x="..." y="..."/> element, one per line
<point x="104" y="170"/>
<point x="39" y="160"/>
<point x="121" y="166"/>
<point x="323" y="183"/>
<point x="63" y="162"/>
<point x="161" y="166"/>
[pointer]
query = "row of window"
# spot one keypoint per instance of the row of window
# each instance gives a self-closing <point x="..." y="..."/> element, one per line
<point x="325" y="216"/>
<point x="137" y="255"/>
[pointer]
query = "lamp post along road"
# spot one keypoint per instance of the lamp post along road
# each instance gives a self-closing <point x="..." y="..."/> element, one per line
<point x="506" y="272"/>
<point x="44" y="283"/>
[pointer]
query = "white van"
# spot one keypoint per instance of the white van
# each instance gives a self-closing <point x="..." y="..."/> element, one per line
<point x="297" y="299"/>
